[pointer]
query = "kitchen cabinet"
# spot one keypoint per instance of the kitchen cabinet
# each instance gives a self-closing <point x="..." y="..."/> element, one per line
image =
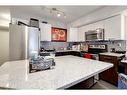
<point x="81" y="34"/>
<point x="111" y="74"/>
<point x="72" y="34"/>
<point x="94" y="26"/>
<point x="45" y="32"/>
<point x="99" y="24"/>
<point x="63" y="53"/>
<point x="123" y="67"/>
<point x="83" y="29"/>
<point x="112" y="27"/>
<point x="75" y="53"/>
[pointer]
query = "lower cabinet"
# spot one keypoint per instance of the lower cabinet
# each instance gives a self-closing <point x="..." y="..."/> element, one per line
<point x="86" y="84"/>
<point x="75" y="53"/>
<point x="111" y="74"/>
<point x="61" y="53"/>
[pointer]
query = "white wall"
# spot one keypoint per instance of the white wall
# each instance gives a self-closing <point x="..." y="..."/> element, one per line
<point x="54" y="23"/>
<point x="98" y="15"/>
<point x="4" y="34"/>
<point x="4" y="46"/>
<point x="126" y="30"/>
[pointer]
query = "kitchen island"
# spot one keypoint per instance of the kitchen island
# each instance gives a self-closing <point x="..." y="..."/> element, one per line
<point x="69" y="70"/>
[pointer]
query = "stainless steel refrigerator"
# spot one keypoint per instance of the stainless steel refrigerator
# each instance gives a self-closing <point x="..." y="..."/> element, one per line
<point x="23" y="42"/>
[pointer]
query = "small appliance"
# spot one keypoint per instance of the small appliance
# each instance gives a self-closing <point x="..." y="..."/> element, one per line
<point x="94" y="35"/>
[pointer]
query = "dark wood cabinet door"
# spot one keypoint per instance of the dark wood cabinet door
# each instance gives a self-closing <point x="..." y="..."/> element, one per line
<point x="58" y="54"/>
<point x="68" y="53"/>
<point x="111" y="74"/>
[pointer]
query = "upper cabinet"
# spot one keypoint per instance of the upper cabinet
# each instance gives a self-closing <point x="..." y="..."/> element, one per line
<point x="72" y="34"/>
<point x="112" y="27"/>
<point x="83" y="29"/>
<point x="99" y="24"/>
<point x="81" y="33"/>
<point x="45" y="31"/>
<point x="113" y="30"/>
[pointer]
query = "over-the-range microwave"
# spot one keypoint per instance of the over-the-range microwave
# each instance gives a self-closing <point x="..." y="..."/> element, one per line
<point x="94" y="35"/>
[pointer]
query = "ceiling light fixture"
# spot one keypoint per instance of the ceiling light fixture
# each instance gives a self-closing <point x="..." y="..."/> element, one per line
<point x="57" y="12"/>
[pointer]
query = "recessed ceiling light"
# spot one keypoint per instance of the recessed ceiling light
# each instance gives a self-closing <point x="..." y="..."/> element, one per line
<point x="58" y="14"/>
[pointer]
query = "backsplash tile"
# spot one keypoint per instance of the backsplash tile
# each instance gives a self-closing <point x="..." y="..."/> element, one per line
<point x="119" y="45"/>
<point x="52" y="45"/>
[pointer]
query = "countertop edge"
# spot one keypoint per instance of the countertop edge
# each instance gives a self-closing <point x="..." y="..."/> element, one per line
<point x="80" y="80"/>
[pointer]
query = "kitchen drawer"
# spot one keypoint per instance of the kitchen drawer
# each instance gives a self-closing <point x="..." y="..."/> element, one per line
<point x="105" y="58"/>
<point x="111" y="59"/>
<point x="75" y="53"/>
<point x="58" y="54"/>
<point x="63" y="53"/>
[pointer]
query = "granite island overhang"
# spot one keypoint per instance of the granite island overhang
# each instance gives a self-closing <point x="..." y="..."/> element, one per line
<point x="69" y="70"/>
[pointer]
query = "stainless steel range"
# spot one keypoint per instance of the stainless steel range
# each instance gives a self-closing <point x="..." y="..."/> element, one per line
<point x="95" y="49"/>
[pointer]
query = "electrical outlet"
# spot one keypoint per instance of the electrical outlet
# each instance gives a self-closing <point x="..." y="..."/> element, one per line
<point x="119" y="44"/>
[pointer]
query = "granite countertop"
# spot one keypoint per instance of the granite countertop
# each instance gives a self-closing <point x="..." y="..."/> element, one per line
<point x="69" y="70"/>
<point x="112" y="54"/>
<point x="124" y="61"/>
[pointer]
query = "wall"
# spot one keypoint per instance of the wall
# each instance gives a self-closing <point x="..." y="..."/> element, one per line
<point x="54" y="23"/>
<point x="119" y="45"/>
<point x="4" y="34"/>
<point x="126" y="30"/>
<point x="98" y="15"/>
<point x="4" y="46"/>
<point x="113" y="44"/>
<point x="56" y="45"/>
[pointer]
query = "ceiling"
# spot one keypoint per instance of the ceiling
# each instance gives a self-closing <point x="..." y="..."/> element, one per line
<point x="40" y="12"/>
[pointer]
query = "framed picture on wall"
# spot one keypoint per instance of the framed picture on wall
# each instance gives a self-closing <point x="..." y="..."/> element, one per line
<point x="59" y="34"/>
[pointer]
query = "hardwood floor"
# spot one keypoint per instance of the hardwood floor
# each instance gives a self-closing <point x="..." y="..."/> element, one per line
<point x="103" y="85"/>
